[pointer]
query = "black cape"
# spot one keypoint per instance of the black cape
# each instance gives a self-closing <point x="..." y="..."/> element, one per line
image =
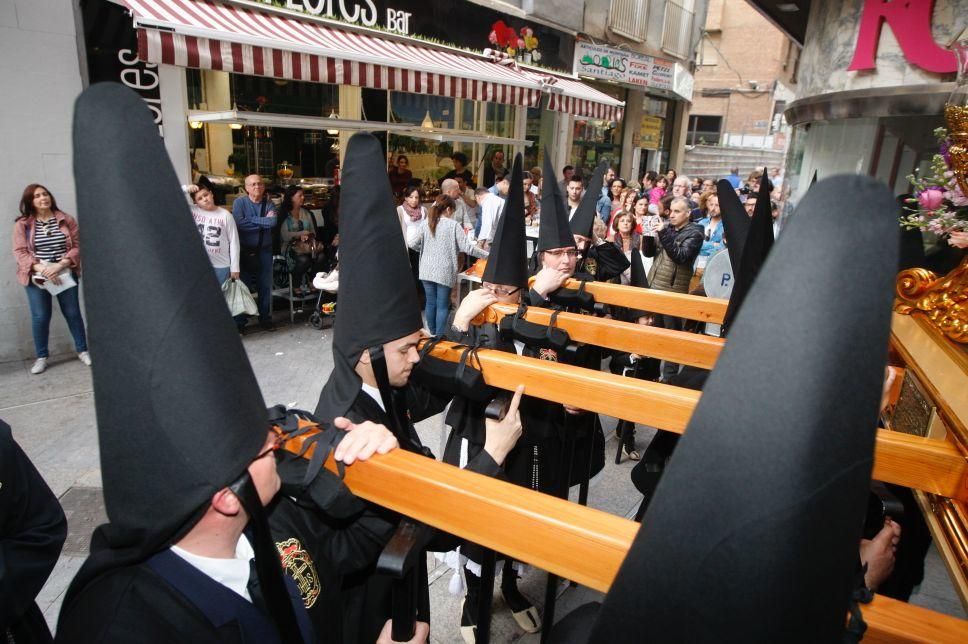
<point x="32" y="533"/>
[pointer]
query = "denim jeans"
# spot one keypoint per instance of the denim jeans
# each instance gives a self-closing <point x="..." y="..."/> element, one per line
<point x="256" y="273"/>
<point x="41" y="310"/>
<point x="222" y="274"/>
<point x="438" y="305"/>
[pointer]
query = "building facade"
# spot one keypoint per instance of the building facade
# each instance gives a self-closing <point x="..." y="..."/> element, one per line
<point x="746" y="73"/>
<point x="873" y="80"/>
<point x="281" y="94"/>
<point x="643" y="52"/>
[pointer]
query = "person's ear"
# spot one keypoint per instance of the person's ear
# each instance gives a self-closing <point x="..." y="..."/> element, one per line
<point x="365" y="356"/>
<point x="226" y="503"/>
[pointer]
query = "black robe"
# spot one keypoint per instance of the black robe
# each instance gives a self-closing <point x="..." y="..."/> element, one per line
<point x="584" y="429"/>
<point x="367" y="594"/>
<point x="317" y="552"/>
<point x="533" y="461"/>
<point x="32" y="533"/>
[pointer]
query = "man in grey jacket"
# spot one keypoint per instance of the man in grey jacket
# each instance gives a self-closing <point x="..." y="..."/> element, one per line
<point x="675" y="251"/>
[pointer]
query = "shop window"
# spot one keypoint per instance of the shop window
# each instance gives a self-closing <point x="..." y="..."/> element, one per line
<point x="704" y="130"/>
<point x="280" y="96"/>
<point x="596" y="141"/>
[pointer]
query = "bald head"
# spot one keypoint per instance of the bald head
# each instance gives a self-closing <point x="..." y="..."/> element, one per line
<point x="255" y="188"/>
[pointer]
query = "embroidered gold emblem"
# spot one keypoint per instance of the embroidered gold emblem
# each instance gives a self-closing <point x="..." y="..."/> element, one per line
<point x="299" y="565"/>
<point x="548" y="354"/>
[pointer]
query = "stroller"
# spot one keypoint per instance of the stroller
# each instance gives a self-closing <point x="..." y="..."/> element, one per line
<point x="327" y="284"/>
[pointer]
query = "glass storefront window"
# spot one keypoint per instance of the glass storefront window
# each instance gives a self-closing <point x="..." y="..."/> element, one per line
<point x="540" y="130"/>
<point x="596" y="141"/>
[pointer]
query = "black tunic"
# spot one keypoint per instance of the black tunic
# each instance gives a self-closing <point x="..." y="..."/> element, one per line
<point x="366" y="593"/>
<point x="135" y="604"/>
<point x="32" y="532"/>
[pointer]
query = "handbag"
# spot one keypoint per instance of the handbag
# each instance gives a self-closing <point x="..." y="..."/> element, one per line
<point x="238" y="298"/>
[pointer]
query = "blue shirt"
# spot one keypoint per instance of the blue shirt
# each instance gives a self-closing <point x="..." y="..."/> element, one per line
<point x="734" y="180"/>
<point x="714" y="242"/>
<point x="604" y="207"/>
<point x="250" y="223"/>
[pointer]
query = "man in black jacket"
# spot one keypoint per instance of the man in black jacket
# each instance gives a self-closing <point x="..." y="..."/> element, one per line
<point x="679" y="242"/>
<point x="32" y="533"/>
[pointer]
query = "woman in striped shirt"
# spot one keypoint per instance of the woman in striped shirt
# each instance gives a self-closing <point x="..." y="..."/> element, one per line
<point x="45" y="244"/>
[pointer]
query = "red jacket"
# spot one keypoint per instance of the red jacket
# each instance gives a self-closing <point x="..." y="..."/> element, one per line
<point x="23" y="244"/>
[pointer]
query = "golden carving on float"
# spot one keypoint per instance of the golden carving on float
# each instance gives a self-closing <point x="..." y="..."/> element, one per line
<point x="943" y="301"/>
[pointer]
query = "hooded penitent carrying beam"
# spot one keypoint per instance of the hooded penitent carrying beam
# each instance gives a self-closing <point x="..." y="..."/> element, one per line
<point x="175" y="426"/>
<point x="754" y="530"/>
<point x="377" y="301"/>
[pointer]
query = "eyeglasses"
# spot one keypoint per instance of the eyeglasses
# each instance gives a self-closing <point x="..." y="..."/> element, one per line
<point x="497" y="290"/>
<point x="569" y="252"/>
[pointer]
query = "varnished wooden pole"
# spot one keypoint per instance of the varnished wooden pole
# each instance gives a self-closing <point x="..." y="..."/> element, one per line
<point x="926" y="464"/>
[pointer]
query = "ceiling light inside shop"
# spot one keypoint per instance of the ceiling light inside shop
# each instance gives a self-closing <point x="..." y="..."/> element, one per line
<point x="195" y="125"/>
<point x="333" y="115"/>
<point x="428" y="123"/>
<point x="235" y="126"/>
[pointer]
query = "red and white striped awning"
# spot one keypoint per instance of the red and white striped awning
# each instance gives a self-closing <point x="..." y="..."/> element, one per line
<point x="206" y="34"/>
<point x="574" y="97"/>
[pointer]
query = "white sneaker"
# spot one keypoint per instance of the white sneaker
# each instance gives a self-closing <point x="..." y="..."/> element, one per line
<point x="84" y="357"/>
<point x="40" y="366"/>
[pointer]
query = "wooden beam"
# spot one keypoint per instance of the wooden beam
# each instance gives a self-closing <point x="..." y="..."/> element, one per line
<point x="678" y="346"/>
<point x="575" y="542"/>
<point x="926" y="464"/>
<point x="691" y="307"/>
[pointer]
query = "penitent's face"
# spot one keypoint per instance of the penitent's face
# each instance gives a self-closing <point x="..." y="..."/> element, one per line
<point x="560" y="259"/>
<point x="401" y="355"/>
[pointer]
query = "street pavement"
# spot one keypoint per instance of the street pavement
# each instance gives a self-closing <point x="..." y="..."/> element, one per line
<point x="53" y="419"/>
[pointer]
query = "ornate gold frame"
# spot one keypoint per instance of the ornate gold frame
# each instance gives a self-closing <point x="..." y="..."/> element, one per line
<point x="942" y="301"/>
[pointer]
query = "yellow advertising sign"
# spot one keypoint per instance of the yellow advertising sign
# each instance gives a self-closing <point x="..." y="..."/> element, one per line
<point x="651" y="132"/>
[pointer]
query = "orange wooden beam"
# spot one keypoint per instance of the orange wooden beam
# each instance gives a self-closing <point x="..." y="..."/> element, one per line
<point x="926" y="464"/>
<point x="575" y="542"/>
<point x="691" y="307"/>
<point x="677" y="346"/>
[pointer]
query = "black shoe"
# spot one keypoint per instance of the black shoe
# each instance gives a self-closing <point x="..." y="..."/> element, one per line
<point x="267" y="325"/>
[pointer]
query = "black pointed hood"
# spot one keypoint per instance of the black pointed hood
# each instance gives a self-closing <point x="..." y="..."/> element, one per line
<point x="179" y="412"/>
<point x="553" y="229"/>
<point x="377" y="301"/>
<point x="637" y="277"/>
<point x="759" y="241"/>
<point x="752" y="533"/>
<point x="584" y="217"/>
<point x="507" y="262"/>
<point x="736" y="223"/>
<point x="637" y="271"/>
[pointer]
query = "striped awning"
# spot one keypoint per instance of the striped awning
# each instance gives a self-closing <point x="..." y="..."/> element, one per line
<point x="206" y="34"/>
<point x="574" y="97"/>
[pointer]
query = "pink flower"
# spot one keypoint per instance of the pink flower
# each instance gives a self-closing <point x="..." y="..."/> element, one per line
<point x="930" y="199"/>
<point x="956" y="196"/>
<point x="520" y="43"/>
<point x="492" y="37"/>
